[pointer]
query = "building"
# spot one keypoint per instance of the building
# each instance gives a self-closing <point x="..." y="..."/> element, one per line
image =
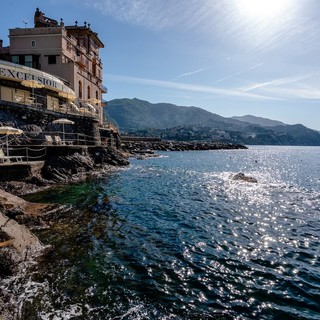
<point x="68" y="55"/>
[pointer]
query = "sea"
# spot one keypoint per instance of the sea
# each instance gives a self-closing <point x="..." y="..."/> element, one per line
<point x="176" y="237"/>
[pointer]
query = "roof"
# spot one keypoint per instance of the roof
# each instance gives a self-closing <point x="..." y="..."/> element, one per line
<point x="84" y="30"/>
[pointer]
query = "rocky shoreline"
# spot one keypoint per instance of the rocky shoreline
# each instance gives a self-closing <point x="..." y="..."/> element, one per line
<point x="134" y="147"/>
<point x="18" y="245"/>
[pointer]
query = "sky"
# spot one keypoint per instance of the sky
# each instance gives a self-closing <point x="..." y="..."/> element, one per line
<point x="230" y="57"/>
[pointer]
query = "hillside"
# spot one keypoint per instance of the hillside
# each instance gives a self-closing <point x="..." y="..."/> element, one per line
<point x="264" y="122"/>
<point x="168" y="121"/>
<point x="135" y="114"/>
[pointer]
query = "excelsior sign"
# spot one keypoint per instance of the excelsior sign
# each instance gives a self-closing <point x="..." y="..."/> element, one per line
<point x="17" y="74"/>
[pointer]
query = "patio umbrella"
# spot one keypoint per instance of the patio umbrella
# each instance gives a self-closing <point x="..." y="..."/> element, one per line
<point x="34" y="84"/>
<point x="69" y="96"/>
<point x="7" y="131"/>
<point x="94" y="100"/>
<point x="74" y="106"/>
<point x="63" y="122"/>
<point x="91" y="107"/>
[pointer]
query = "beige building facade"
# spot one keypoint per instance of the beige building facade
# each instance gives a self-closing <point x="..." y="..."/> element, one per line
<point x="68" y="52"/>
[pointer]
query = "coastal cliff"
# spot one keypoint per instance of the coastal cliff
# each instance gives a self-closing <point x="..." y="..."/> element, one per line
<point x="18" y="218"/>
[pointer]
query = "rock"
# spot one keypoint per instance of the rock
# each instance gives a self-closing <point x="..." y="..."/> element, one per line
<point x="242" y="177"/>
<point x="134" y="147"/>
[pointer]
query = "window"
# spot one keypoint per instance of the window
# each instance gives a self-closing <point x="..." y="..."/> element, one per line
<point x="80" y="89"/>
<point x="88" y="93"/>
<point x="52" y="59"/>
<point x="15" y="59"/>
<point x="28" y="61"/>
<point x="33" y="43"/>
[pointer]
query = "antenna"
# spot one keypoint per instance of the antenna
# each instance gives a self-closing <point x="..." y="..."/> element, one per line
<point x="25" y="23"/>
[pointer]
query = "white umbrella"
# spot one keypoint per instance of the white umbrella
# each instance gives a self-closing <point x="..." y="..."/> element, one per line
<point x="91" y="107"/>
<point x="94" y="100"/>
<point x="74" y="106"/>
<point x="7" y="131"/>
<point x="34" y="84"/>
<point x="69" y="96"/>
<point x="63" y="122"/>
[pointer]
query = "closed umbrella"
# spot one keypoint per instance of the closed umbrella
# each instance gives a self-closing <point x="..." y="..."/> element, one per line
<point x="63" y="122"/>
<point x="74" y="106"/>
<point x="95" y="102"/>
<point x="91" y="107"/>
<point x="7" y="131"/>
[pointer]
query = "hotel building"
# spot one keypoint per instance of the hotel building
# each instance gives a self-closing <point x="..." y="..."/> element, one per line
<point x="54" y="67"/>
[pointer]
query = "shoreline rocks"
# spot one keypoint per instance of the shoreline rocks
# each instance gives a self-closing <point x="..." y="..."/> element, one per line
<point x="18" y="245"/>
<point x="148" y="147"/>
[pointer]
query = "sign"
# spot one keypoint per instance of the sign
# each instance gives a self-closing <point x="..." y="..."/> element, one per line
<point x="17" y="74"/>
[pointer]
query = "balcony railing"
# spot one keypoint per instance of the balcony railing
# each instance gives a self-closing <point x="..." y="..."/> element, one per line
<point x="42" y="103"/>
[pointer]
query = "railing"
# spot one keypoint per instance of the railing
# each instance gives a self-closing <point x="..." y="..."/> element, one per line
<point x="40" y="102"/>
<point x="59" y="138"/>
<point x="18" y="153"/>
<point x="28" y="139"/>
<point x="29" y="154"/>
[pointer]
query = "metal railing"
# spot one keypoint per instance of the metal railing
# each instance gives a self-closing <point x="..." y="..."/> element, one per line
<point x="28" y="154"/>
<point x="41" y="103"/>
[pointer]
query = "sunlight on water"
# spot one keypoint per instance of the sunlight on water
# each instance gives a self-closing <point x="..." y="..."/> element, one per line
<point x="177" y="238"/>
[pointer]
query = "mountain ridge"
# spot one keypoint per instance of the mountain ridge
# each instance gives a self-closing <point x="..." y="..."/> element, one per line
<point x="169" y="121"/>
<point x="264" y="122"/>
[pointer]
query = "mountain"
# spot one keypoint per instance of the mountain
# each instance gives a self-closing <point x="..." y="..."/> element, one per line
<point x="169" y="121"/>
<point x="264" y="122"/>
<point x="135" y="114"/>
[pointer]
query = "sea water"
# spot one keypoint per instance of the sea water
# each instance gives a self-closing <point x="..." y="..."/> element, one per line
<point x="175" y="237"/>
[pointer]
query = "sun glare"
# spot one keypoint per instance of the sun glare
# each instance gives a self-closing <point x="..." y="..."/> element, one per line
<point x="262" y="9"/>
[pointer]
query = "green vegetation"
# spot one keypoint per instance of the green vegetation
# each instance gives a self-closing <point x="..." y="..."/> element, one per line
<point x="168" y="121"/>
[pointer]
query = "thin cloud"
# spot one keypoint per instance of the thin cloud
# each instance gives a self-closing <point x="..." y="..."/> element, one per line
<point x="189" y="73"/>
<point x="256" y="66"/>
<point x="276" y="82"/>
<point x="301" y="93"/>
<point x="188" y="87"/>
<point x="238" y="73"/>
<point x="288" y="88"/>
<point x="153" y="14"/>
<point x="159" y="14"/>
<point x="218" y="19"/>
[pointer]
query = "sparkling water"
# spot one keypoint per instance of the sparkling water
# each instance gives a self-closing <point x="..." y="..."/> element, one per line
<point x="176" y="237"/>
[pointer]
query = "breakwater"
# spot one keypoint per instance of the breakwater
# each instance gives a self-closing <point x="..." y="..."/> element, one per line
<point x="133" y="146"/>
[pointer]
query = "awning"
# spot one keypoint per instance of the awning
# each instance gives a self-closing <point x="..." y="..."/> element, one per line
<point x="19" y="73"/>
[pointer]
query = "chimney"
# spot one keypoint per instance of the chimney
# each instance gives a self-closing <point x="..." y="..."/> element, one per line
<point x="1" y="43"/>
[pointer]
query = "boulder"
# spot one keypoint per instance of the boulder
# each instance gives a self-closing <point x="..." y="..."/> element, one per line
<point x="242" y="177"/>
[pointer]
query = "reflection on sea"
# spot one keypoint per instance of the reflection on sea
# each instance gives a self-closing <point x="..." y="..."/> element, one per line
<point x="177" y="238"/>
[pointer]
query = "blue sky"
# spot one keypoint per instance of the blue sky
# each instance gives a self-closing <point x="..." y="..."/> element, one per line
<point x="230" y="57"/>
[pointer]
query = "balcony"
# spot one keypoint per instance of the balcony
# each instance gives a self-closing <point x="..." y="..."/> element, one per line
<point x="80" y="61"/>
